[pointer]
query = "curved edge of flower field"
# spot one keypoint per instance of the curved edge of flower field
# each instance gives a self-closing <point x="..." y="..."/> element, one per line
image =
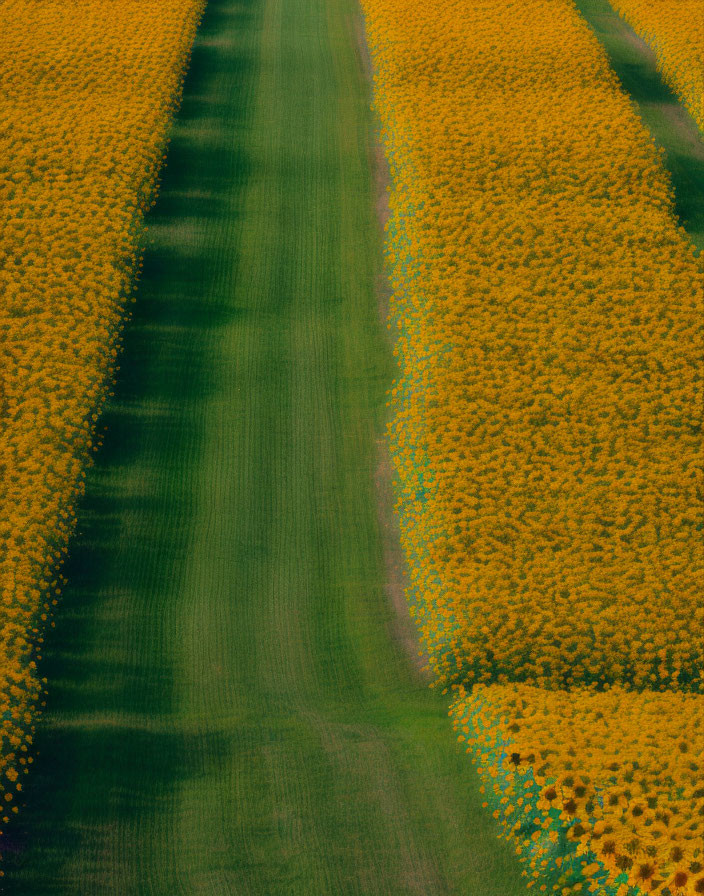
<point x="581" y="780"/>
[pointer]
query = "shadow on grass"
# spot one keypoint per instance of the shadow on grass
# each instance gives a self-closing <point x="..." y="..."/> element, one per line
<point x="106" y="748"/>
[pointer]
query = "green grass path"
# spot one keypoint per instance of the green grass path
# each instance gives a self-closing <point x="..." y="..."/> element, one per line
<point x="229" y="709"/>
<point x="672" y="127"/>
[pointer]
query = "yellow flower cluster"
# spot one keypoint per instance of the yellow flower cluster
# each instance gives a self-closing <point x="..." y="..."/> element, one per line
<point x="674" y="29"/>
<point x="88" y="89"/>
<point x="547" y="419"/>
<point x="547" y="432"/>
<point x="617" y="777"/>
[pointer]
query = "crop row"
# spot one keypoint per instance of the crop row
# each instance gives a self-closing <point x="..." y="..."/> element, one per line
<point x="547" y="415"/>
<point x="547" y="426"/>
<point x="88" y="94"/>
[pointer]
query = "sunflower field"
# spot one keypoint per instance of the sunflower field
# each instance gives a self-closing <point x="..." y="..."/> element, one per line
<point x="547" y="433"/>
<point x="674" y="29"/>
<point x="89" y="88"/>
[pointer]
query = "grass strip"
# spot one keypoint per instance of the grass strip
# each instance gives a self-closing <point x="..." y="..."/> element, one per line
<point x="229" y="712"/>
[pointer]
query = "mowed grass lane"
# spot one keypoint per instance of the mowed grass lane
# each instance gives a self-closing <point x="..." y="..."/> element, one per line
<point x="229" y="710"/>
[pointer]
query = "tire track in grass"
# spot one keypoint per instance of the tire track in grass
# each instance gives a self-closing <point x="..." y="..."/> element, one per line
<point x="228" y="711"/>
